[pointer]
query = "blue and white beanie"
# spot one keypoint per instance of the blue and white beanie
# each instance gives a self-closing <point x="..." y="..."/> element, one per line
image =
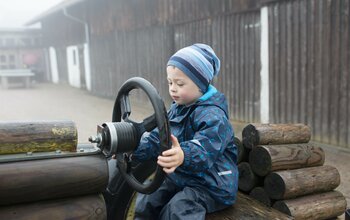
<point x="199" y="62"/>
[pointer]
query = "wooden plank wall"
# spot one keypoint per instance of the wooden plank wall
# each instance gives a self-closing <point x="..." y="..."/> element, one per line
<point x="121" y="55"/>
<point x="309" y="67"/>
<point x="308" y="53"/>
<point x="145" y="52"/>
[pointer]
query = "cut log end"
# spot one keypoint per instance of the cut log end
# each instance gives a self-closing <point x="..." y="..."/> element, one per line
<point x="250" y="136"/>
<point x="242" y="151"/>
<point x="260" y="161"/>
<point x="259" y="194"/>
<point x="274" y="186"/>
<point x="247" y="179"/>
<point x="282" y="207"/>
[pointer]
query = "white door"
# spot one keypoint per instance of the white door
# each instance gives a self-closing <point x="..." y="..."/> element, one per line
<point x="73" y="66"/>
<point x="53" y="65"/>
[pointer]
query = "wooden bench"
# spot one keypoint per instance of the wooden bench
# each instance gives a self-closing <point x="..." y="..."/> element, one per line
<point x="23" y="74"/>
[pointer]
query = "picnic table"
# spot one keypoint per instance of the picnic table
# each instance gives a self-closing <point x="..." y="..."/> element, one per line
<point x="20" y="75"/>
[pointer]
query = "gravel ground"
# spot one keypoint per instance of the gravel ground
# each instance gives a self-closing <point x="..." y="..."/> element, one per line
<point x="57" y="102"/>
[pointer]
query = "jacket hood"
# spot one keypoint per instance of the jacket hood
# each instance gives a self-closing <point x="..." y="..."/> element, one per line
<point x="211" y="98"/>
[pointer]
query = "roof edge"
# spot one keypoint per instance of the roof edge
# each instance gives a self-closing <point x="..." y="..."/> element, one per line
<point x="54" y="9"/>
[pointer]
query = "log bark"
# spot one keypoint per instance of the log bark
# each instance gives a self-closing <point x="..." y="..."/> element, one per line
<point x="259" y="194"/>
<point x="268" y="158"/>
<point x="293" y="183"/>
<point x="247" y="178"/>
<point x="318" y="206"/>
<point x="37" y="136"/>
<point x="34" y="180"/>
<point x="265" y="134"/>
<point x="85" y="207"/>
<point x="247" y="208"/>
<point x="242" y="151"/>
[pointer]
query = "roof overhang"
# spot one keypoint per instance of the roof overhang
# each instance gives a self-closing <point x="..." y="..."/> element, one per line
<point x="58" y="8"/>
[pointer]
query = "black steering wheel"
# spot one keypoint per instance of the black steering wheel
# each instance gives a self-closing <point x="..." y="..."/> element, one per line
<point x="122" y="136"/>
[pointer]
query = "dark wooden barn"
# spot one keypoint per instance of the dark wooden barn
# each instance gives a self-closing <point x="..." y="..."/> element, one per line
<point x="283" y="61"/>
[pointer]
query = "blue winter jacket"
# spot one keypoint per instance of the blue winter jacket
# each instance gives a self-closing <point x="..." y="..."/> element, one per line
<point x="206" y="138"/>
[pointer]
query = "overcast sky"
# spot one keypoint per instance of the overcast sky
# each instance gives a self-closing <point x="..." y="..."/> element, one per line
<point x="14" y="13"/>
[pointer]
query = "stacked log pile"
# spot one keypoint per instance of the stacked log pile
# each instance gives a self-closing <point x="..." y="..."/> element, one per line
<point x="44" y="173"/>
<point x="279" y="167"/>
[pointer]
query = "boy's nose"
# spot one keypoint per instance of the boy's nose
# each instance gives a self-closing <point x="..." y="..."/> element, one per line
<point x="172" y="88"/>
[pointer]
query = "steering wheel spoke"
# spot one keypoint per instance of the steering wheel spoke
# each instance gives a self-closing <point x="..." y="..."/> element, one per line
<point x="125" y="107"/>
<point x="149" y="123"/>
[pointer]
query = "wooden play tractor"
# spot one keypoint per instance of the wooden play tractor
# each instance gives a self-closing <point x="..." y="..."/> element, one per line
<point x="46" y="174"/>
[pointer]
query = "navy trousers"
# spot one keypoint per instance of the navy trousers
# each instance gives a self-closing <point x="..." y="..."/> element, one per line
<point x="171" y="202"/>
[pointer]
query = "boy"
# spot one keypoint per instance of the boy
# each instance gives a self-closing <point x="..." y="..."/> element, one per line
<point x="201" y="166"/>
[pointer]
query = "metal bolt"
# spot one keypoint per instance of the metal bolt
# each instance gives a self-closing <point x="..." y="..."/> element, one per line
<point x="94" y="139"/>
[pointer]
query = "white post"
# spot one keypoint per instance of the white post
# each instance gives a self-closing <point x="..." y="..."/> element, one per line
<point x="87" y="66"/>
<point x="264" y="73"/>
<point x="53" y="65"/>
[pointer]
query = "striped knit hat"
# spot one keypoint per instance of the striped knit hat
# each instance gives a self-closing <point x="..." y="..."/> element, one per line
<point x="199" y="62"/>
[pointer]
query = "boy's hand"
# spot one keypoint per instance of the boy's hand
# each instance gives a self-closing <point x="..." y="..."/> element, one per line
<point x="171" y="158"/>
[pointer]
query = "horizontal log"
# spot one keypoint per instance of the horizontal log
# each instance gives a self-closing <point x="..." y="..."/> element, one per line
<point x="293" y="183"/>
<point x="259" y="194"/>
<point x="37" y="136"/>
<point x="268" y="158"/>
<point x="85" y="207"/>
<point x="242" y="151"/>
<point x="318" y="206"/>
<point x="247" y="178"/>
<point x="248" y="209"/>
<point x="34" y="180"/>
<point x="266" y="134"/>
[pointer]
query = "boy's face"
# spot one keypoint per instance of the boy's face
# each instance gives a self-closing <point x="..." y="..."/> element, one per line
<point x="181" y="88"/>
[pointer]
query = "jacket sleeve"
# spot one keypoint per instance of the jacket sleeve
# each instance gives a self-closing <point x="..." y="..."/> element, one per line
<point x="213" y="134"/>
<point x="148" y="147"/>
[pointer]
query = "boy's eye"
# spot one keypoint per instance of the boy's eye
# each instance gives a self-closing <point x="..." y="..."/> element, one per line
<point x="180" y="85"/>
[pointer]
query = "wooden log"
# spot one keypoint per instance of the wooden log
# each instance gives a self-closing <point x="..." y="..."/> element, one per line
<point x="247" y="178"/>
<point x="242" y="151"/>
<point x="34" y="180"/>
<point x="265" y="134"/>
<point x="318" y="206"/>
<point x="247" y="208"/>
<point x="37" y="136"/>
<point x="293" y="183"/>
<point x="85" y="207"/>
<point x="259" y="194"/>
<point x="268" y="158"/>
